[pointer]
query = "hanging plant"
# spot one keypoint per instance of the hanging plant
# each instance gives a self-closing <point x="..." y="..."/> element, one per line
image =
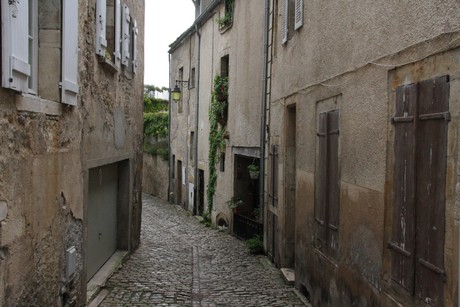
<point x="221" y="88"/>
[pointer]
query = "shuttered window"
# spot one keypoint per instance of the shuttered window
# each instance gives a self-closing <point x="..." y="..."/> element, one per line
<point x="101" y="23"/>
<point x="126" y="36"/>
<point x="69" y="83"/>
<point x="285" y="22"/>
<point x="15" y="40"/>
<point x="327" y="182"/>
<point x="420" y="161"/>
<point x="298" y="14"/>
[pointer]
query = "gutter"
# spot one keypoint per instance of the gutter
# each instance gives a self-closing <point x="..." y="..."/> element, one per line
<point x="169" y="132"/>
<point x="197" y="116"/>
<point x="263" y="108"/>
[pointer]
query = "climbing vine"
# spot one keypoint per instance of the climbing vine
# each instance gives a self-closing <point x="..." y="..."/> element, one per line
<point x="216" y="138"/>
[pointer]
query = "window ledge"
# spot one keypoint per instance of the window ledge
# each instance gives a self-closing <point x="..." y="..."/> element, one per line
<point x="224" y="28"/>
<point x="30" y="103"/>
<point x="108" y="64"/>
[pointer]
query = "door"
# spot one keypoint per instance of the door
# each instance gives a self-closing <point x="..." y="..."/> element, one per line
<point x="102" y="216"/>
<point x="290" y="179"/>
<point x="179" y="183"/>
<point x="200" y="192"/>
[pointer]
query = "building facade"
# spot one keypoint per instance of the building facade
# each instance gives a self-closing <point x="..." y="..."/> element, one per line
<point x="363" y="121"/>
<point x="359" y="140"/>
<point x="71" y="155"/>
<point x="215" y="126"/>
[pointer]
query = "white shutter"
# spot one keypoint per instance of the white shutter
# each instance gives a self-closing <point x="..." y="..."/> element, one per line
<point x="69" y="83"/>
<point x="117" y="33"/>
<point x="101" y="23"/>
<point x="298" y="14"/>
<point x="135" y="33"/>
<point x="285" y="22"/>
<point x="15" y="42"/>
<point x="125" y="21"/>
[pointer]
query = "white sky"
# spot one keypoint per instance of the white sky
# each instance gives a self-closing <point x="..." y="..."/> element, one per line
<point x="165" y="20"/>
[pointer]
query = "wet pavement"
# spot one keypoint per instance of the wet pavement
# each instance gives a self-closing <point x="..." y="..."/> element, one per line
<point x="181" y="262"/>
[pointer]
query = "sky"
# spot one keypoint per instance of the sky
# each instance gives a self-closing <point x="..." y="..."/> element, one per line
<point x="165" y="20"/>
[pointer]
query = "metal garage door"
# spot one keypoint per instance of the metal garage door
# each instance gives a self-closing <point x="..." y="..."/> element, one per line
<point x="102" y="216"/>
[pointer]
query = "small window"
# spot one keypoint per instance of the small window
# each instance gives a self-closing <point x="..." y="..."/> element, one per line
<point x="181" y="73"/>
<point x="173" y="166"/>
<point x="288" y="11"/>
<point x="222" y="162"/>
<point x="192" y="78"/>
<point x="224" y="66"/>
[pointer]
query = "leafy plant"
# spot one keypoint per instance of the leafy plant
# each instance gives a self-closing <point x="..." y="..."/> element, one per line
<point x="255" y="245"/>
<point x="234" y="202"/>
<point x="253" y="168"/>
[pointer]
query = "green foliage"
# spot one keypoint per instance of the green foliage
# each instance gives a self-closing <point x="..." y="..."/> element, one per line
<point x="235" y="202"/>
<point x="156" y="124"/>
<point x="160" y="148"/>
<point x="216" y="138"/>
<point x="255" y="245"/>
<point x="152" y="105"/>
<point x="148" y="88"/>
<point x="228" y="16"/>
<point x="253" y="168"/>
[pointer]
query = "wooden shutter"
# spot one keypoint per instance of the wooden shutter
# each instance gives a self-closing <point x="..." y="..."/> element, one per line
<point x="15" y="50"/>
<point x="403" y="231"/>
<point x="333" y="189"/>
<point x="135" y="33"/>
<point x="126" y="37"/>
<point x="431" y="184"/>
<point x="117" y="40"/>
<point x="101" y="24"/>
<point x="285" y="22"/>
<point x="298" y="14"/>
<point x="321" y="180"/>
<point x="69" y="83"/>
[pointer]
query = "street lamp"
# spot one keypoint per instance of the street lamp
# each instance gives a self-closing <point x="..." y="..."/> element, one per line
<point x="176" y="93"/>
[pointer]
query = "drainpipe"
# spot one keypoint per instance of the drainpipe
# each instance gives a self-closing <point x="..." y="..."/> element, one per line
<point x="263" y="119"/>
<point x="169" y="131"/>
<point x="197" y="116"/>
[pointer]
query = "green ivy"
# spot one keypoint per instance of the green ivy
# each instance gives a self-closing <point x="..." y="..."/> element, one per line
<point x="216" y="140"/>
<point x="156" y="125"/>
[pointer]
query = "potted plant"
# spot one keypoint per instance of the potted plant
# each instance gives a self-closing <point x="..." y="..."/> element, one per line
<point x="234" y="203"/>
<point x="253" y="171"/>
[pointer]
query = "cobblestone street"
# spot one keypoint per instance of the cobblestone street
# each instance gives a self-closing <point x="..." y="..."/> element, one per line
<point x="180" y="262"/>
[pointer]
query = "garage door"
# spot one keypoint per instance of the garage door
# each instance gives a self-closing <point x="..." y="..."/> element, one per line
<point x="102" y="216"/>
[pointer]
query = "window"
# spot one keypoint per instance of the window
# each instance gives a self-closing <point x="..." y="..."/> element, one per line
<point x="192" y="78"/>
<point x="327" y="182"/>
<point x="108" y="23"/>
<point x="288" y="20"/>
<point x="419" y="183"/>
<point x="224" y="66"/>
<point x="222" y="162"/>
<point x="129" y="41"/>
<point x="273" y="184"/>
<point x="22" y="53"/>
<point x="173" y="166"/>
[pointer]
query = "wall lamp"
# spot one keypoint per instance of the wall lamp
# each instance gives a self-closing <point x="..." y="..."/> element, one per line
<point x="176" y="92"/>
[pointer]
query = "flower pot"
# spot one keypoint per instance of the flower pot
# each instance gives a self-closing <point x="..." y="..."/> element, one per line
<point x="254" y="174"/>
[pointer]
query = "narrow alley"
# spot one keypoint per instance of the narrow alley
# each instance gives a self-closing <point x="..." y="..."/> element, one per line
<point x="181" y="262"/>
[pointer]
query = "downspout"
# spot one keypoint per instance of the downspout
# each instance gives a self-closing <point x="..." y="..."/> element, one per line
<point x="197" y="116"/>
<point x="169" y="131"/>
<point x="263" y="108"/>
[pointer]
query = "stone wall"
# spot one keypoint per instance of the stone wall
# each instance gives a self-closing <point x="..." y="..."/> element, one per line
<point x="155" y="176"/>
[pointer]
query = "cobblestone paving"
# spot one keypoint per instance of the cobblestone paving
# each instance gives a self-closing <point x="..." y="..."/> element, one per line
<point x="180" y="262"/>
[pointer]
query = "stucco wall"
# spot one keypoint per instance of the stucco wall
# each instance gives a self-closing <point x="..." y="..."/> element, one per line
<point x="44" y="164"/>
<point x="358" y="54"/>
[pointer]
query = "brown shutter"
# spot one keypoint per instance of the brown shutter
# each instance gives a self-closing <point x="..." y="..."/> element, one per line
<point x="403" y="231"/>
<point x="321" y="180"/>
<point x="332" y="187"/>
<point x="431" y="185"/>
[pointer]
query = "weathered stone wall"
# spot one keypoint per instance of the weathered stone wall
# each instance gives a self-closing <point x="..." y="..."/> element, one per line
<point x="44" y="158"/>
<point x="155" y="176"/>
<point x="355" y="56"/>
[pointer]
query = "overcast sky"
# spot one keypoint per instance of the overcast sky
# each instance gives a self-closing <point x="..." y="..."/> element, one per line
<point x="165" y="20"/>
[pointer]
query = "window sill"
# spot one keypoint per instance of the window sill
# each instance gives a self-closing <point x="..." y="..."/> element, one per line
<point x="30" y="103"/>
<point x="108" y="64"/>
<point x="224" y="28"/>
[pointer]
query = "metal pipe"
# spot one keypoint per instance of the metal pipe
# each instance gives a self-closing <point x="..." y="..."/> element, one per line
<point x="169" y="132"/>
<point x="263" y="119"/>
<point x="197" y="115"/>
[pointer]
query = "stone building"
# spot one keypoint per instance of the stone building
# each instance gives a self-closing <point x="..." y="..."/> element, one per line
<point x="359" y="140"/>
<point x="71" y="135"/>
<point x="363" y="129"/>
<point x="217" y="64"/>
